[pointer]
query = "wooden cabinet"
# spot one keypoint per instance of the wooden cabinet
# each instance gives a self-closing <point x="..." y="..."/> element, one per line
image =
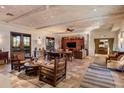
<point x="78" y="54"/>
<point x="20" y="42"/>
<point x="76" y="45"/>
<point x="79" y="43"/>
<point x="4" y="56"/>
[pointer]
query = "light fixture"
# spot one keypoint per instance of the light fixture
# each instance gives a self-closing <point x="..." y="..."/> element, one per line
<point x="39" y="41"/>
<point x="47" y="7"/>
<point x="121" y="42"/>
<point x="94" y="9"/>
<point x="0" y="39"/>
<point x="51" y="16"/>
<point x="97" y="23"/>
<point x="121" y="39"/>
<point x="2" y="7"/>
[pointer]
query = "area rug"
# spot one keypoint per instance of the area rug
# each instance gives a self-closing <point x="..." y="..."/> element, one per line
<point x="97" y="77"/>
<point x="31" y="79"/>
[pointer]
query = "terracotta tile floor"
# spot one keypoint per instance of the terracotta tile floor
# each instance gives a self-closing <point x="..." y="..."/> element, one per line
<point x="75" y="72"/>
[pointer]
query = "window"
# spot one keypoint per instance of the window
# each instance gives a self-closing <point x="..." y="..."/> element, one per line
<point x="50" y="42"/>
<point x="26" y="41"/>
<point x="16" y="41"/>
<point x="21" y="42"/>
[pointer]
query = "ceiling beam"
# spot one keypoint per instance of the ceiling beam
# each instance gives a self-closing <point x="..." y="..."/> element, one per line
<point x="41" y="8"/>
<point x="82" y="19"/>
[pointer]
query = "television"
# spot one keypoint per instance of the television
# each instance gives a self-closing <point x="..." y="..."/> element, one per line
<point x="71" y="44"/>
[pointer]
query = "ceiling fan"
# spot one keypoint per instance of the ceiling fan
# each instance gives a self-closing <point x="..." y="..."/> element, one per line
<point x="69" y="29"/>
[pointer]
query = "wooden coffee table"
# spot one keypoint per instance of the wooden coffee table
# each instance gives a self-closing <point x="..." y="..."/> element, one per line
<point x="31" y="68"/>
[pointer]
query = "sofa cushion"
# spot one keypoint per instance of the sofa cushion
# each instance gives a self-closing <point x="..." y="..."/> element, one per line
<point x="121" y="57"/>
<point x="115" y="64"/>
<point x="22" y="62"/>
<point x="121" y="64"/>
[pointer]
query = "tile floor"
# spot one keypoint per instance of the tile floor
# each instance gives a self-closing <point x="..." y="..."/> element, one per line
<point x="75" y="72"/>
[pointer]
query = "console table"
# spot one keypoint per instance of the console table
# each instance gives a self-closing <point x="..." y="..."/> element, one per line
<point x="4" y="56"/>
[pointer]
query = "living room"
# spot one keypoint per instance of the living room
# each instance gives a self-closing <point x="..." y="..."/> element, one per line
<point x="42" y="47"/>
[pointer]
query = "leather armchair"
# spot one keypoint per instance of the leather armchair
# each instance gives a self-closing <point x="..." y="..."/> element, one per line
<point x="17" y="61"/>
<point x="116" y="64"/>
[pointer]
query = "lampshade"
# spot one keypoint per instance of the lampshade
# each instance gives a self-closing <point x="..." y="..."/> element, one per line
<point x="121" y="39"/>
<point x="39" y="41"/>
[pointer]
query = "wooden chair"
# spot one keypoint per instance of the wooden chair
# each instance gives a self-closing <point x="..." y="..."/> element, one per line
<point x="17" y="61"/>
<point x="53" y="73"/>
<point x="53" y="55"/>
<point x="60" y="51"/>
<point x="68" y="55"/>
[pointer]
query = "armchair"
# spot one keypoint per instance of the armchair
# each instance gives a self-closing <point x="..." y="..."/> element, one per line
<point x="17" y="61"/>
<point x="112" y="56"/>
<point x="116" y="64"/>
<point x="53" y="73"/>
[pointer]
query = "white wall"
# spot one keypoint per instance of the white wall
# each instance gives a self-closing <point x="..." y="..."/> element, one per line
<point x="5" y="30"/>
<point x="42" y="34"/>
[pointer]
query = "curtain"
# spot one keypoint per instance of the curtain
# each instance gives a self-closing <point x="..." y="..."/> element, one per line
<point x="111" y="41"/>
<point x="96" y="45"/>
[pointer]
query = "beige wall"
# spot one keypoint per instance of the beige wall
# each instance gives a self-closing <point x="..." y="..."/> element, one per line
<point x="101" y="34"/>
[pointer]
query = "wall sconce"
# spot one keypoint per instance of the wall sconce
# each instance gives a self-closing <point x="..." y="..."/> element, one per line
<point x="121" y="39"/>
<point x="39" y="41"/>
<point x="0" y="39"/>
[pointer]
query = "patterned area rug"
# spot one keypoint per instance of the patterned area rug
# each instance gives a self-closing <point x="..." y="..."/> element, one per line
<point x="31" y="79"/>
<point x="97" y="77"/>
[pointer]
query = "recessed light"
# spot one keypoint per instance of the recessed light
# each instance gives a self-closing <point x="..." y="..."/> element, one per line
<point x="94" y="10"/>
<point x="2" y="7"/>
<point x="51" y="16"/>
<point x="98" y="23"/>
